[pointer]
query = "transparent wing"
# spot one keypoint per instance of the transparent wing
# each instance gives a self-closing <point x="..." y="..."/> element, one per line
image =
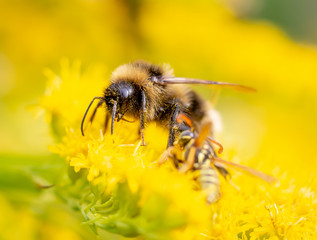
<point x="180" y="80"/>
<point x="252" y="171"/>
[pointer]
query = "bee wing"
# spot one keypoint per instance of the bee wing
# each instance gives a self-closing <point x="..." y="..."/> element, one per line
<point x="180" y="80"/>
<point x="252" y="171"/>
<point x="203" y="135"/>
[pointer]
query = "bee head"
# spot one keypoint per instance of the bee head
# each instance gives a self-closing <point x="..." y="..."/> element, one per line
<point x="126" y="96"/>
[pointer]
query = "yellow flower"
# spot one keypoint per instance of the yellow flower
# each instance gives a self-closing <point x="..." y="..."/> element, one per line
<point x="118" y="186"/>
<point x="73" y="94"/>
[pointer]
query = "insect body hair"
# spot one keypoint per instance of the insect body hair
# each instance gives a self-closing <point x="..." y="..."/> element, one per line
<point x="149" y="92"/>
<point x="159" y="98"/>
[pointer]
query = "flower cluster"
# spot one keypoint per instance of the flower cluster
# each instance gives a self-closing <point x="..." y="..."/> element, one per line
<point x="119" y="187"/>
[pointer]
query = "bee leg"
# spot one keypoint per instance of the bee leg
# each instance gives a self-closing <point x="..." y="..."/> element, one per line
<point x="142" y="117"/>
<point x="173" y="126"/>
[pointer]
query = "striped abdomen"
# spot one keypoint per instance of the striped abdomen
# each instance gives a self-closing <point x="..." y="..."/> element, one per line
<point x="209" y="182"/>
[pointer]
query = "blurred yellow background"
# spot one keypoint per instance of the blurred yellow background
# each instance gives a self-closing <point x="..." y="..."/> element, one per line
<point x="225" y="40"/>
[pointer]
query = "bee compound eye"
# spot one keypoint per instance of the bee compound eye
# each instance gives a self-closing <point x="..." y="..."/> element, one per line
<point x="124" y="92"/>
<point x="154" y="79"/>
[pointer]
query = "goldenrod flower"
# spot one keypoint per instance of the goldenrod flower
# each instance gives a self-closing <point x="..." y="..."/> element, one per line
<point x="118" y="186"/>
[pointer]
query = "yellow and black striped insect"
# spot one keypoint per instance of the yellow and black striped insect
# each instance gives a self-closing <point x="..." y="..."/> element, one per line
<point x="150" y="93"/>
<point x="194" y="151"/>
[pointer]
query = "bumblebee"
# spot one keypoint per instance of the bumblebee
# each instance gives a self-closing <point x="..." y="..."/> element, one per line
<point x="195" y="152"/>
<point x="149" y="92"/>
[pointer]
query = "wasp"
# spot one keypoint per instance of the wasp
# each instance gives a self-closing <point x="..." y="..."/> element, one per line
<point x="196" y="152"/>
<point x="151" y="93"/>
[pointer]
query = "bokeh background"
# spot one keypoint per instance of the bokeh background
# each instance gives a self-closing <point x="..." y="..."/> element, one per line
<point x="269" y="45"/>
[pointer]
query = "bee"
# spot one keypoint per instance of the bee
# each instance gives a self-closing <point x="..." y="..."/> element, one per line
<point x="150" y="93"/>
<point x="195" y="152"/>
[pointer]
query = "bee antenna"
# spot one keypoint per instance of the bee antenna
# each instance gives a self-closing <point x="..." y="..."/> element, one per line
<point x="114" y="110"/>
<point x="82" y="122"/>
